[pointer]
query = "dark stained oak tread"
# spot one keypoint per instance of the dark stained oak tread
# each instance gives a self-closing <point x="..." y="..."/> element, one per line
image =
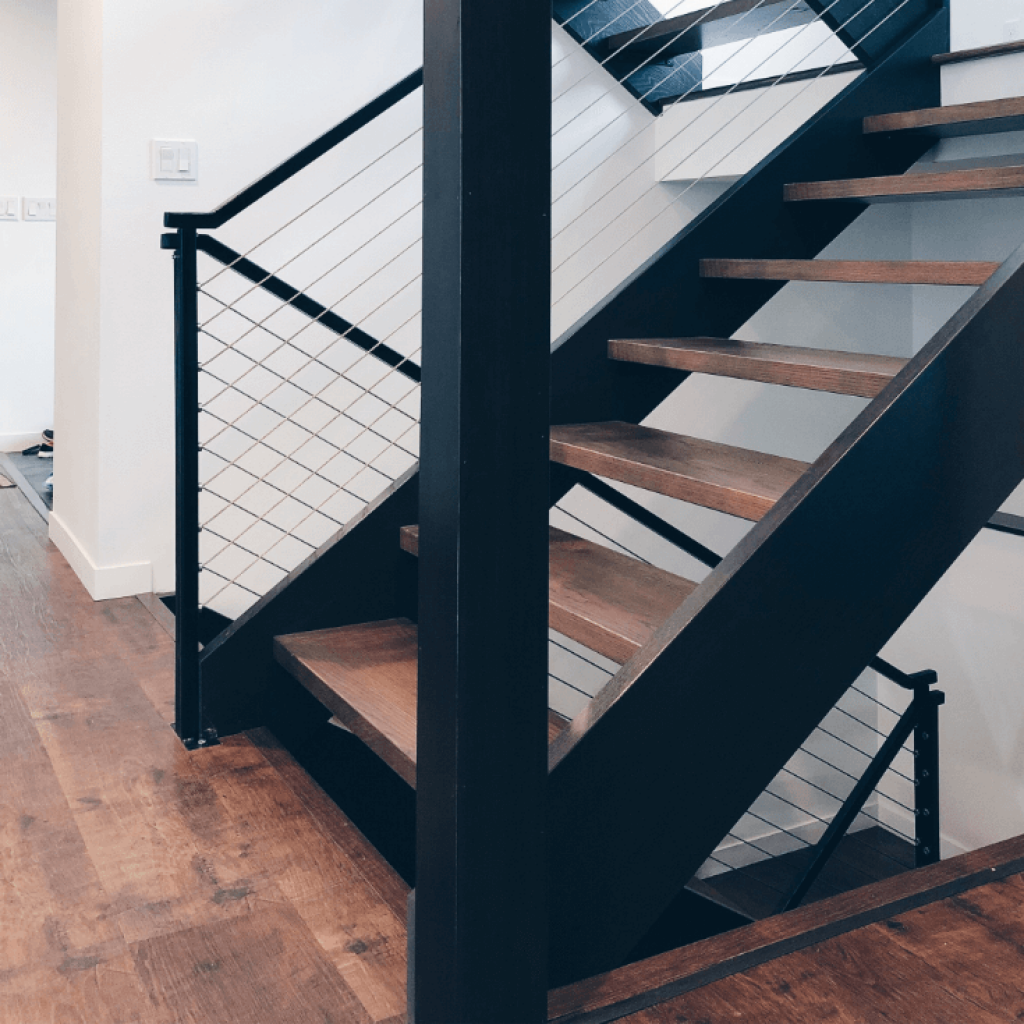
<point x="986" y="117"/>
<point x="980" y="53"/>
<point x="366" y="676"/>
<point x="611" y="996"/>
<point x="845" y="373"/>
<point x="852" y="271"/>
<point x="605" y="600"/>
<point x="733" y="480"/>
<point x="978" y="183"/>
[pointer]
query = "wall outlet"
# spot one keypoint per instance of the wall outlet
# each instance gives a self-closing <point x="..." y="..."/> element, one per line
<point x="1013" y="30"/>
<point x="174" y="160"/>
<point x="9" y="207"/>
<point x="38" y="209"/>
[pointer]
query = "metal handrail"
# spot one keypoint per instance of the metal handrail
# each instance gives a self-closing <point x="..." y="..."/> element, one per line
<point x="251" y="194"/>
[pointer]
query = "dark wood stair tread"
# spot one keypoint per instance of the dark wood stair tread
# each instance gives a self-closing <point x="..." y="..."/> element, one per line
<point x="980" y="52"/>
<point x="366" y="676"/>
<point x="737" y="481"/>
<point x="987" y="117"/>
<point x="977" y="183"/>
<point x="605" y="600"/>
<point x="852" y="271"/>
<point x="845" y="373"/>
<point x="727" y="22"/>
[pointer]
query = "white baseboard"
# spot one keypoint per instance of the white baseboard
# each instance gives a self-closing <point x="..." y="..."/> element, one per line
<point x="106" y="581"/>
<point x="18" y="442"/>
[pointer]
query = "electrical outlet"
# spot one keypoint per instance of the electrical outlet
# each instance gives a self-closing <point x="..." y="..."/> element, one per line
<point x="38" y="209"/>
<point x="9" y="207"/>
<point x="1014" y="30"/>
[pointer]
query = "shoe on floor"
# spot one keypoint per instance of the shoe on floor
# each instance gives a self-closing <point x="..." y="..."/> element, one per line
<point x="46" y="447"/>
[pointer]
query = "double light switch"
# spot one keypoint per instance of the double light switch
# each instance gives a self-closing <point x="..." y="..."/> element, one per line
<point x="28" y="209"/>
<point x="175" y="160"/>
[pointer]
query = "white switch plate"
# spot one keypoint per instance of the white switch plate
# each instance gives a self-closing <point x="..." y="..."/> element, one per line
<point x="174" y="160"/>
<point x="38" y="209"/>
<point x="9" y="206"/>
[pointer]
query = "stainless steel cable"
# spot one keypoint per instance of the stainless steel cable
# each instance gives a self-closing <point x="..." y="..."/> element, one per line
<point x="651" y="58"/>
<point x="313" y="206"/>
<point x="697" y="181"/>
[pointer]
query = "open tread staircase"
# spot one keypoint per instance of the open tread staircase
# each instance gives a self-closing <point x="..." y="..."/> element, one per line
<point x="844" y="373"/>
<point x="659" y="626"/>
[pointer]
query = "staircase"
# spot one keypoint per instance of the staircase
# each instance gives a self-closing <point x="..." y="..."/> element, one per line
<point x="366" y="674"/>
<point x="644" y="782"/>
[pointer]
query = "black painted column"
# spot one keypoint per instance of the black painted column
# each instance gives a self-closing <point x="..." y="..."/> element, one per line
<point x="478" y="945"/>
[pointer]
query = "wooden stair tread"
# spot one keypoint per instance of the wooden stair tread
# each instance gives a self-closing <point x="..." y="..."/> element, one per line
<point x="980" y="52"/>
<point x="737" y="481"/>
<point x="366" y="676"/>
<point x="972" y="274"/>
<point x="977" y="183"/>
<point x="983" y="118"/>
<point x="845" y="373"/>
<point x="727" y="22"/>
<point x="605" y="600"/>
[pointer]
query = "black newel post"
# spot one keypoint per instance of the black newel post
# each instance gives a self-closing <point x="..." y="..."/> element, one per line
<point x="926" y="777"/>
<point x="478" y="943"/>
<point x="187" y="700"/>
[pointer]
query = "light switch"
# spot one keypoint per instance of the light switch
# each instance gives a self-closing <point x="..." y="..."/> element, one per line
<point x="174" y="160"/>
<point x="38" y="209"/>
<point x="9" y="207"/>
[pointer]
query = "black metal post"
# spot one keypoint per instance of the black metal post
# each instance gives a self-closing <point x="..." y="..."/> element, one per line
<point x="188" y="711"/>
<point x="927" y="820"/>
<point x="478" y="947"/>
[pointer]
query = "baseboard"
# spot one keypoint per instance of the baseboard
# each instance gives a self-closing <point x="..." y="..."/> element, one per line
<point x="18" y="442"/>
<point x="102" y="582"/>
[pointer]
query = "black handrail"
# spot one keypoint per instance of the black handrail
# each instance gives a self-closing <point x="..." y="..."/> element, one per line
<point x="299" y="161"/>
<point x="1004" y="522"/>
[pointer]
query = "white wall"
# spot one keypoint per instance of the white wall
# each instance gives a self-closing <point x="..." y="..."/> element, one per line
<point x="251" y="81"/>
<point x="28" y="167"/>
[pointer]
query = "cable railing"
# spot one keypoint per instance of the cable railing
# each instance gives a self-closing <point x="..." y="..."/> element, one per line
<point x="872" y="762"/>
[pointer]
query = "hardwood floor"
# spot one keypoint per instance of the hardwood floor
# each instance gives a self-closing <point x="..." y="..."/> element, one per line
<point x="143" y="883"/>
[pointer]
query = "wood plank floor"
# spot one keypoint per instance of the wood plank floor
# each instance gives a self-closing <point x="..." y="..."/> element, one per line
<point x="143" y="883"/>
